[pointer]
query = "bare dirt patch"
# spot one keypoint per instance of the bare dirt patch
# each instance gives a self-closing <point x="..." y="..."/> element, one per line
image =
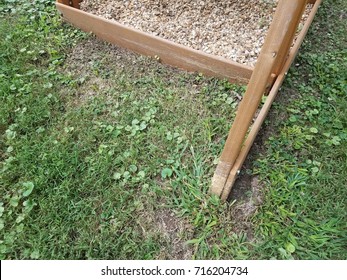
<point x="174" y="230"/>
<point x="250" y="197"/>
<point x="248" y="190"/>
<point x="95" y="61"/>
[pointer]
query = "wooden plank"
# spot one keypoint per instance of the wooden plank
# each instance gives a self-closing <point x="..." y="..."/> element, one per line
<point x="265" y="109"/>
<point x="283" y="53"/>
<point x="167" y="51"/>
<point x="284" y="25"/>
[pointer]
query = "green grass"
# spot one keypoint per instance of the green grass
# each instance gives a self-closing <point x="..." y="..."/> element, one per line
<point x="98" y="145"/>
<point x="304" y="166"/>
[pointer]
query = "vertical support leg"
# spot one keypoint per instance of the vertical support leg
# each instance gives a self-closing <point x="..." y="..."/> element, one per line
<point x="286" y="44"/>
<point x="276" y="47"/>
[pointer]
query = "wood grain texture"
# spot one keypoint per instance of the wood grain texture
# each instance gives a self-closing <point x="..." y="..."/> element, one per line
<point x="286" y="20"/>
<point x="168" y="52"/>
<point x="266" y="107"/>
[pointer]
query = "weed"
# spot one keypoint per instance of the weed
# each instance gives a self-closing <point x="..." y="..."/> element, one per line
<point x="95" y="143"/>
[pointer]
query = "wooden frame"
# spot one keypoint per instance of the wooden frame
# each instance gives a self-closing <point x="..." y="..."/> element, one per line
<point x="166" y="51"/>
<point x="268" y="74"/>
<point x="235" y="170"/>
<point x="275" y="59"/>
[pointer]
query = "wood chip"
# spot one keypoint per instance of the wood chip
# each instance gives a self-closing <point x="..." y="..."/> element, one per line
<point x="232" y="29"/>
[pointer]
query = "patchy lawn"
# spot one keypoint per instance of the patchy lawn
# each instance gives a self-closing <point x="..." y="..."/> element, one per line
<point x="105" y="154"/>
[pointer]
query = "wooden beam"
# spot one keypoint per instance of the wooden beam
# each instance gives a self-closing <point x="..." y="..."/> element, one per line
<point x="265" y="109"/>
<point x="286" y="20"/>
<point x="168" y="52"/>
<point x="283" y="53"/>
<point x="284" y="50"/>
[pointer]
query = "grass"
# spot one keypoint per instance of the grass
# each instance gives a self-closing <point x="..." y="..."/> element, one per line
<point x="108" y="155"/>
<point x="304" y="163"/>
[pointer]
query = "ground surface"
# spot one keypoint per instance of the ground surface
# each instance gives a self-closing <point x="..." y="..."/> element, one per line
<point x="232" y="29"/>
<point x="105" y="154"/>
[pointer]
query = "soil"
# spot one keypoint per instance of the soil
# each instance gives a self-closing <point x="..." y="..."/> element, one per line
<point x="247" y="189"/>
<point x="247" y="192"/>
<point x="173" y="229"/>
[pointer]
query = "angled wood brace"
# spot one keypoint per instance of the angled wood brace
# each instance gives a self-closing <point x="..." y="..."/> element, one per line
<point x="274" y="60"/>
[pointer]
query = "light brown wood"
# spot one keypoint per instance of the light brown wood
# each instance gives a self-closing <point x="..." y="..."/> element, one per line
<point x="282" y="54"/>
<point x="165" y="50"/>
<point x="284" y="25"/>
<point x="265" y="109"/>
<point x="284" y="51"/>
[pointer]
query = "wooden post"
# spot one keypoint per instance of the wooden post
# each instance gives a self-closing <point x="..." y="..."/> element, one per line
<point x="284" y="52"/>
<point x="276" y="47"/>
<point x="266" y="107"/>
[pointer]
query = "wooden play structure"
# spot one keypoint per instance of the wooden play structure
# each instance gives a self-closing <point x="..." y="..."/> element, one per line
<point x="277" y="54"/>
